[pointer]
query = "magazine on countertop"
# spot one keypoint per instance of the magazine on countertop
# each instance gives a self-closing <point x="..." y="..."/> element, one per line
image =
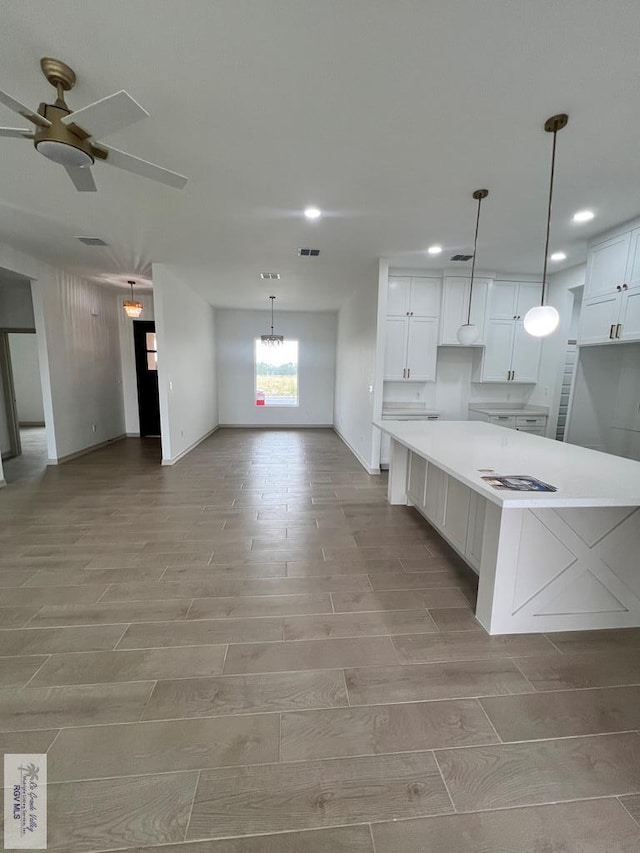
<point x="518" y="483"/>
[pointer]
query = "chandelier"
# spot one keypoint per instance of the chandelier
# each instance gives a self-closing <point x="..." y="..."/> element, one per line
<point x="272" y="340"/>
<point x="131" y="307"/>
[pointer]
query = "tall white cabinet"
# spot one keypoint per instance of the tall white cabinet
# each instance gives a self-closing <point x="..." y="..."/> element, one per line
<point x="610" y="310"/>
<point x="411" y="339"/>
<point x="510" y="353"/>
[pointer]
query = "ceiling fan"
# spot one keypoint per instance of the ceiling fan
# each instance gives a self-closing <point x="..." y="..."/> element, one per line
<point x="60" y="133"/>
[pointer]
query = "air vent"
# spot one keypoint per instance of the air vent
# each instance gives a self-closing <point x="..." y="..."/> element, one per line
<point x="92" y="241"/>
<point x="308" y="253"/>
<point x="461" y="257"/>
<point x="270" y="275"/>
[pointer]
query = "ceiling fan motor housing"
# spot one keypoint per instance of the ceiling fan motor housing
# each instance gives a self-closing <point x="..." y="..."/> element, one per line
<point x="58" y="142"/>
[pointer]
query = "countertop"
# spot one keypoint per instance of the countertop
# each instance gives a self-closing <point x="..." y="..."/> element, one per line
<point x="493" y="409"/>
<point x="582" y="477"/>
<point x="401" y="409"/>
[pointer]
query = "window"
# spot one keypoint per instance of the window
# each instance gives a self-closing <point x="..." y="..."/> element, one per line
<point x="151" y="349"/>
<point x="276" y="374"/>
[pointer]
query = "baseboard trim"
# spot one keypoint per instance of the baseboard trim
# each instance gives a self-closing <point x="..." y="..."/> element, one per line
<point x="276" y="426"/>
<point x="133" y="435"/>
<point x="60" y="460"/>
<point x="31" y="424"/>
<point x="367" y="468"/>
<point x="180" y="456"/>
<point x="3" y="483"/>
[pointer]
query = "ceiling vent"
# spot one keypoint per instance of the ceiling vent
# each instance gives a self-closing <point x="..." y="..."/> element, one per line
<point x="461" y="257"/>
<point x="92" y="241"/>
<point x="308" y="253"/>
<point x="270" y="275"/>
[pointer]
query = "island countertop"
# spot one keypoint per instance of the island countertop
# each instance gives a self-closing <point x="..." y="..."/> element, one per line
<point x="582" y="477"/>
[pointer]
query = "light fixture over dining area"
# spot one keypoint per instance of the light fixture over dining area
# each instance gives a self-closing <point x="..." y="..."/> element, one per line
<point x="271" y="339"/>
<point x="132" y="308"/>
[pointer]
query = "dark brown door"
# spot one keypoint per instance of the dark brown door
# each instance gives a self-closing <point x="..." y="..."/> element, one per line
<point x="144" y="340"/>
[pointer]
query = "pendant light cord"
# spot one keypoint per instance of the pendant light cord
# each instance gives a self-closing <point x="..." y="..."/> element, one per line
<point x="475" y="247"/>
<point x="272" y="298"/>
<point x="546" y="245"/>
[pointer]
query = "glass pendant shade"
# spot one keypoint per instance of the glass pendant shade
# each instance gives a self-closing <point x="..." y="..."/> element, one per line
<point x="468" y="334"/>
<point x="132" y="309"/>
<point x="541" y="321"/>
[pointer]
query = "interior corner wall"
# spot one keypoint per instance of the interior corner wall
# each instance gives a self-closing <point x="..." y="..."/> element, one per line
<point x="187" y="381"/>
<point x="355" y="373"/>
<point x="236" y="333"/>
<point x="26" y="378"/>
<point x="128" y="358"/>
<point x="79" y="355"/>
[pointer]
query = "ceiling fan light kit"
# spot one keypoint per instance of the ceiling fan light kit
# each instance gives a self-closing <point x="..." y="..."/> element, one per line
<point x="544" y="319"/>
<point x="61" y="137"/>
<point x="469" y="333"/>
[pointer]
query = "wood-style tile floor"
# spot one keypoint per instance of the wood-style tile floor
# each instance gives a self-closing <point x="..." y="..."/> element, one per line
<point x="251" y="652"/>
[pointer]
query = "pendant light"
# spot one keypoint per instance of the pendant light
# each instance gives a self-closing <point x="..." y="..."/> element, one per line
<point x="469" y="333"/>
<point x="544" y="319"/>
<point x="272" y="340"/>
<point x="132" y="308"/>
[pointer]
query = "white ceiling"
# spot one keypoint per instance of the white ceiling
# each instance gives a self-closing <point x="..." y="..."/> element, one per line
<point x="384" y="113"/>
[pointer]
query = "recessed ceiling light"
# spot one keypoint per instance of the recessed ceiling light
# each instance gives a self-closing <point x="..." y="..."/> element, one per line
<point x="313" y="213"/>
<point x="583" y="216"/>
<point x="558" y="256"/>
<point x="434" y="250"/>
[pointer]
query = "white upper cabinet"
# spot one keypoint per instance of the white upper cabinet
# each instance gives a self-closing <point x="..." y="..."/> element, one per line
<point x="610" y="310"/>
<point x="411" y="332"/>
<point x="425" y="297"/>
<point x="510" y="355"/>
<point x="607" y="266"/>
<point x="416" y="296"/>
<point x="503" y="303"/>
<point x="398" y="296"/>
<point x="455" y="306"/>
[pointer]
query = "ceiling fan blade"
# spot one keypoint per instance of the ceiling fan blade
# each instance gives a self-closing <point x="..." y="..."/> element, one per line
<point x="122" y="160"/>
<point x="82" y="179"/>
<point x="16" y="132"/>
<point x="107" y="115"/>
<point x="23" y="110"/>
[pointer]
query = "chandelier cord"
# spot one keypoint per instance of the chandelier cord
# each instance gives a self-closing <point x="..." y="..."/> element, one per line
<point x="546" y="245"/>
<point x="473" y="262"/>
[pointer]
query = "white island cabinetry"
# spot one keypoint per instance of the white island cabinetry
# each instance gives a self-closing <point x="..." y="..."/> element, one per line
<point x="547" y="561"/>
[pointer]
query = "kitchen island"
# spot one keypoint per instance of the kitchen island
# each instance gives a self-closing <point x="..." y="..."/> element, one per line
<point x="547" y="561"/>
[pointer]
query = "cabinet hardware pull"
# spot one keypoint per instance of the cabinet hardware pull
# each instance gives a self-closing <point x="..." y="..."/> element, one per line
<point x="625" y="287"/>
<point x="618" y="330"/>
<point x="513" y="374"/>
<point x="530" y="420"/>
<point x="404" y="372"/>
<point x="618" y="288"/>
<point x="408" y="373"/>
<point x="611" y="331"/>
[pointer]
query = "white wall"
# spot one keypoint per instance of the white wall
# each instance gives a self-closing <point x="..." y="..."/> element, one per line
<point x="16" y="306"/>
<point x="236" y="332"/>
<point x="128" y="359"/>
<point x="356" y="358"/>
<point x="185" y="329"/>
<point x="26" y="378"/>
<point x="79" y="355"/>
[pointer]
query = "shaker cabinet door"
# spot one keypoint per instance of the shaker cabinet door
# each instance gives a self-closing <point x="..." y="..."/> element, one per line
<point x="395" y="349"/>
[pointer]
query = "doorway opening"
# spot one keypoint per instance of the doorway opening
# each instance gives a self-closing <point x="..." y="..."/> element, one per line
<point x="146" y="353"/>
<point x="23" y="435"/>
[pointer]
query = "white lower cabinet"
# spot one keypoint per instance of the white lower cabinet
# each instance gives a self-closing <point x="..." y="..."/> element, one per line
<point x="455" y="510"/>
